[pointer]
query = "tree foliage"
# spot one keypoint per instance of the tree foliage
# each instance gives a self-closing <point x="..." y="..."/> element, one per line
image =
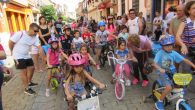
<point x="49" y="12"/>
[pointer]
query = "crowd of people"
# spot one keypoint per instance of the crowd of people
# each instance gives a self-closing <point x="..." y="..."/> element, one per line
<point x="51" y="41"/>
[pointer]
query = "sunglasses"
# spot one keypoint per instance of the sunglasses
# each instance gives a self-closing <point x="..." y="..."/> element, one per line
<point x="36" y="31"/>
<point x="132" y="13"/>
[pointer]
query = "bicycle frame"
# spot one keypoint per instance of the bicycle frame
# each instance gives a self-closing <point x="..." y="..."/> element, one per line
<point x="121" y="62"/>
<point x="176" y="93"/>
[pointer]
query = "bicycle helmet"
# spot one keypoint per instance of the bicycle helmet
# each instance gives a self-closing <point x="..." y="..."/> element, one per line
<point x="66" y="28"/>
<point x="167" y="40"/>
<point x="53" y="39"/>
<point x="76" y="59"/>
<point x="101" y="23"/>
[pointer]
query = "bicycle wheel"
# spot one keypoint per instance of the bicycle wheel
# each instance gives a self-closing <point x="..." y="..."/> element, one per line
<point x="184" y="106"/>
<point x="54" y="83"/>
<point x="119" y="90"/>
<point x="156" y="95"/>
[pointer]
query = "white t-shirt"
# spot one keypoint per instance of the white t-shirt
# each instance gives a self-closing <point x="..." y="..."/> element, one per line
<point x="133" y="26"/>
<point x="170" y="16"/>
<point x="78" y="41"/>
<point x="156" y="19"/>
<point x="23" y="43"/>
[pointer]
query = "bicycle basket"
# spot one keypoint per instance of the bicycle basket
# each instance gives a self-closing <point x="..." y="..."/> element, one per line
<point x="182" y="79"/>
<point x="89" y="104"/>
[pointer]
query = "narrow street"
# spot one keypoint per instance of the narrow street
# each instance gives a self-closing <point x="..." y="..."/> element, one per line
<point x="15" y="99"/>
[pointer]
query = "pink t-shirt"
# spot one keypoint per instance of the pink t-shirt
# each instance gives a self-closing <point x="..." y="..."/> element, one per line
<point x="54" y="57"/>
<point x="86" y="57"/>
<point x="111" y="30"/>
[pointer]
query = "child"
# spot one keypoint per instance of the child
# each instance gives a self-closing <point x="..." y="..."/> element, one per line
<point x="124" y="32"/>
<point x="165" y="60"/>
<point x="77" y="41"/>
<point x="158" y="33"/>
<point x="87" y="57"/>
<point x="123" y="53"/>
<point x="76" y="80"/>
<point x="53" y="60"/>
<point x="111" y="28"/>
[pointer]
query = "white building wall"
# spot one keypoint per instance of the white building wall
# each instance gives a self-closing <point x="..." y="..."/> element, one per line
<point x="142" y="7"/>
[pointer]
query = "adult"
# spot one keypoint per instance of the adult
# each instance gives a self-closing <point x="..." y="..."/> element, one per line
<point x="134" y="23"/>
<point x="44" y="31"/>
<point x="58" y="26"/>
<point x="185" y="36"/>
<point x="170" y="15"/>
<point x="175" y="22"/>
<point x="140" y="46"/>
<point x="20" y="44"/>
<point x="94" y="26"/>
<point x="157" y="22"/>
<point x="2" y="57"/>
<point x="111" y="28"/>
<point x="143" y="20"/>
<point x="51" y="27"/>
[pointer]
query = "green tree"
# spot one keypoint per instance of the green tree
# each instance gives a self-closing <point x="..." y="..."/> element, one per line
<point x="49" y="12"/>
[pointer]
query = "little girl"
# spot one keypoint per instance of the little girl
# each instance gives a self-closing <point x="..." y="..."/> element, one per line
<point x="77" y="41"/>
<point x="87" y="57"/>
<point x="53" y="60"/>
<point x="124" y="32"/>
<point x="123" y="53"/>
<point x="76" y="80"/>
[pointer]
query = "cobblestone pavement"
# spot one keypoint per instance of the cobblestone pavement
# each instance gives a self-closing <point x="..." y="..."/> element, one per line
<point x="15" y="99"/>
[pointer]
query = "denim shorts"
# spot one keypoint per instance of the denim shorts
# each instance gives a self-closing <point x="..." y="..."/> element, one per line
<point x="78" y="88"/>
<point x="165" y="80"/>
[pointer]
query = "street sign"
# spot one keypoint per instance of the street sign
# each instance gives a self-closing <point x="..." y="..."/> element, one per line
<point x="4" y="1"/>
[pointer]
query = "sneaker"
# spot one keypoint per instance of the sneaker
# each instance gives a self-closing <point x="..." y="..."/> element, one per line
<point x="29" y="91"/>
<point x="47" y="93"/>
<point x="98" y="67"/>
<point x="32" y="84"/>
<point x="159" y="105"/>
<point x="135" y="81"/>
<point x="127" y="82"/>
<point x="145" y="83"/>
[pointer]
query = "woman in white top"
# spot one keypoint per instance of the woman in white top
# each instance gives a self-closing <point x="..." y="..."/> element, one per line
<point x="157" y="21"/>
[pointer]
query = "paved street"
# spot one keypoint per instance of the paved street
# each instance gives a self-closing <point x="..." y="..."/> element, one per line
<point x="15" y="99"/>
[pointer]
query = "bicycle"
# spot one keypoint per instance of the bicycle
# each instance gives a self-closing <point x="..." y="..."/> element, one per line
<point x="105" y="49"/>
<point x="89" y="101"/>
<point x="120" y="78"/>
<point x="181" y="81"/>
<point x="56" y="78"/>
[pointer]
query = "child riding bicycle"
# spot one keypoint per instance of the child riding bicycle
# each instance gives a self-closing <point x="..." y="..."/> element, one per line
<point x="76" y="80"/>
<point x="123" y="53"/>
<point x="164" y="63"/>
<point x="53" y="60"/>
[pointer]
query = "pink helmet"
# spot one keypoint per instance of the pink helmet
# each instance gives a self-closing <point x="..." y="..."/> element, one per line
<point x="53" y="39"/>
<point x="76" y="59"/>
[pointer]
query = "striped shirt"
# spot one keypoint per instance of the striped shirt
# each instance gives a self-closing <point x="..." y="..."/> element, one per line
<point x="189" y="32"/>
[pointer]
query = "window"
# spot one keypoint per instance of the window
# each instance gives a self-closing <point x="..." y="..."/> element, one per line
<point x="123" y="6"/>
<point x="135" y="5"/>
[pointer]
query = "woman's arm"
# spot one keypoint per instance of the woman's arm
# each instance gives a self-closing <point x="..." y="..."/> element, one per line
<point x="140" y="25"/>
<point x="171" y="28"/>
<point x="179" y="41"/>
<point x="42" y="38"/>
<point x="47" y="34"/>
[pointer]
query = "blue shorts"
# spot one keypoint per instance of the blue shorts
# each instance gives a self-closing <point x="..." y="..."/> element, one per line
<point x="45" y="48"/>
<point x="165" y="80"/>
<point x="78" y="88"/>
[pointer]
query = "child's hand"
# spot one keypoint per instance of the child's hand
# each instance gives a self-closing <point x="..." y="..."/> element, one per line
<point x="162" y="71"/>
<point x="69" y="97"/>
<point x="134" y="59"/>
<point x="49" y="66"/>
<point x="102" y="86"/>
